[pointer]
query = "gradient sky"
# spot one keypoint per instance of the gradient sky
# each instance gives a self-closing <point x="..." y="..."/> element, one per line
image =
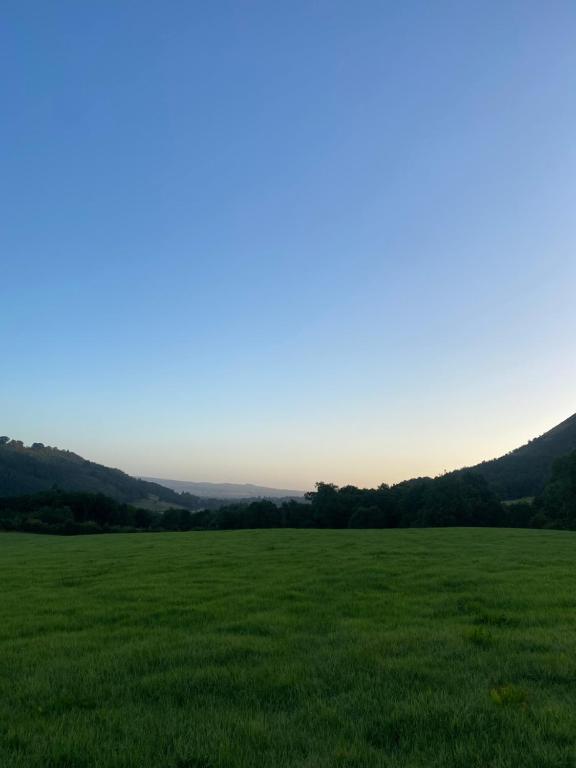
<point x="282" y="242"/>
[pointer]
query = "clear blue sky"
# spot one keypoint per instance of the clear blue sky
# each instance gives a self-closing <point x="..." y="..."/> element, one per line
<point x="287" y="242"/>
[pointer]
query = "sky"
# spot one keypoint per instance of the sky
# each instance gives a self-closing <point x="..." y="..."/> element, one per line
<point x="287" y="242"/>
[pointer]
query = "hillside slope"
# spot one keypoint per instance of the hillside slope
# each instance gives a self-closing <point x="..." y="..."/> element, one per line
<point x="38" y="468"/>
<point x="524" y="471"/>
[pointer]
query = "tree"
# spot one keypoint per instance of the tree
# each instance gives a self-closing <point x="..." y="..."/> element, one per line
<point x="366" y="517"/>
<point x="327" y="511"/>
<point x="558" y="502"/>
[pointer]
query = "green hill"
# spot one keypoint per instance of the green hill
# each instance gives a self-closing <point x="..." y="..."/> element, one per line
<point x="25" y="470"/>
<point x="525" y="471"/>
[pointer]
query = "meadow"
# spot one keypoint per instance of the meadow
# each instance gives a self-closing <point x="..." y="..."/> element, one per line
<point x="452" y="648"/>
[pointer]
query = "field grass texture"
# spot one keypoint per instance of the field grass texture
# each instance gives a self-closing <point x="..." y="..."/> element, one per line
<point x="452" y="648"/>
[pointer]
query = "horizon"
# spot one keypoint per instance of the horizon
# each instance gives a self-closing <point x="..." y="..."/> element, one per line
<point x="287" y="245"/>
<point x="255" y="483"/>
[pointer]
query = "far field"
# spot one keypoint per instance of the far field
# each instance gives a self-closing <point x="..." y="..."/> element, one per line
<point x="442" y="648"/>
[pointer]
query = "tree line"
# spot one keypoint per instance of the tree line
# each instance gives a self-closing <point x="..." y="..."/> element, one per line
<point x="464" y="499"/>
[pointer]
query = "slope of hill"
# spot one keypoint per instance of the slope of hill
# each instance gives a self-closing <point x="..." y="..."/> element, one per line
<point x="227" y="490"/>
<point x="38" y="468"/>
<point x="524" y="471"/>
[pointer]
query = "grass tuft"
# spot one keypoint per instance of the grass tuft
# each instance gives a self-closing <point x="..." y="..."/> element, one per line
<point x="479" y="636"/>
<point x="508" y="694"/>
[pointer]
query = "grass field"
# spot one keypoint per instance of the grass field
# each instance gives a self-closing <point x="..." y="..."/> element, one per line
<point x="443" y="647"/>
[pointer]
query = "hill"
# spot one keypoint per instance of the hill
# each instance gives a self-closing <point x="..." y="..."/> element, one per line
<point x="25" y="470"/>
<point x="228" y="490"/>
<point x="525" y="471"/>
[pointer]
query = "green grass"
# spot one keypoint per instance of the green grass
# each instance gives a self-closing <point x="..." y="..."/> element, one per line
<point x="430" y="648"/>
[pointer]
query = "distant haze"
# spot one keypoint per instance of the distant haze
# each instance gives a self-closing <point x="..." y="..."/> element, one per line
<point x="225" y="490"/>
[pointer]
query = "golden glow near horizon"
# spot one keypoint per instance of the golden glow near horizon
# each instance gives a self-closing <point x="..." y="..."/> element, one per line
<point x="295" y="463"/>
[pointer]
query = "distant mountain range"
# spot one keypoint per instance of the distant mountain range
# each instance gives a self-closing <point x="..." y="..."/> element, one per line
<point x="29" y="469"/>
<point x="227" y="490"/>
<point x="520" y="473"/>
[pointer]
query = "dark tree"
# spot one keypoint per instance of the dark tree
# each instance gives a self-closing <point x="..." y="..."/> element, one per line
<point x="557" y="505"/>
